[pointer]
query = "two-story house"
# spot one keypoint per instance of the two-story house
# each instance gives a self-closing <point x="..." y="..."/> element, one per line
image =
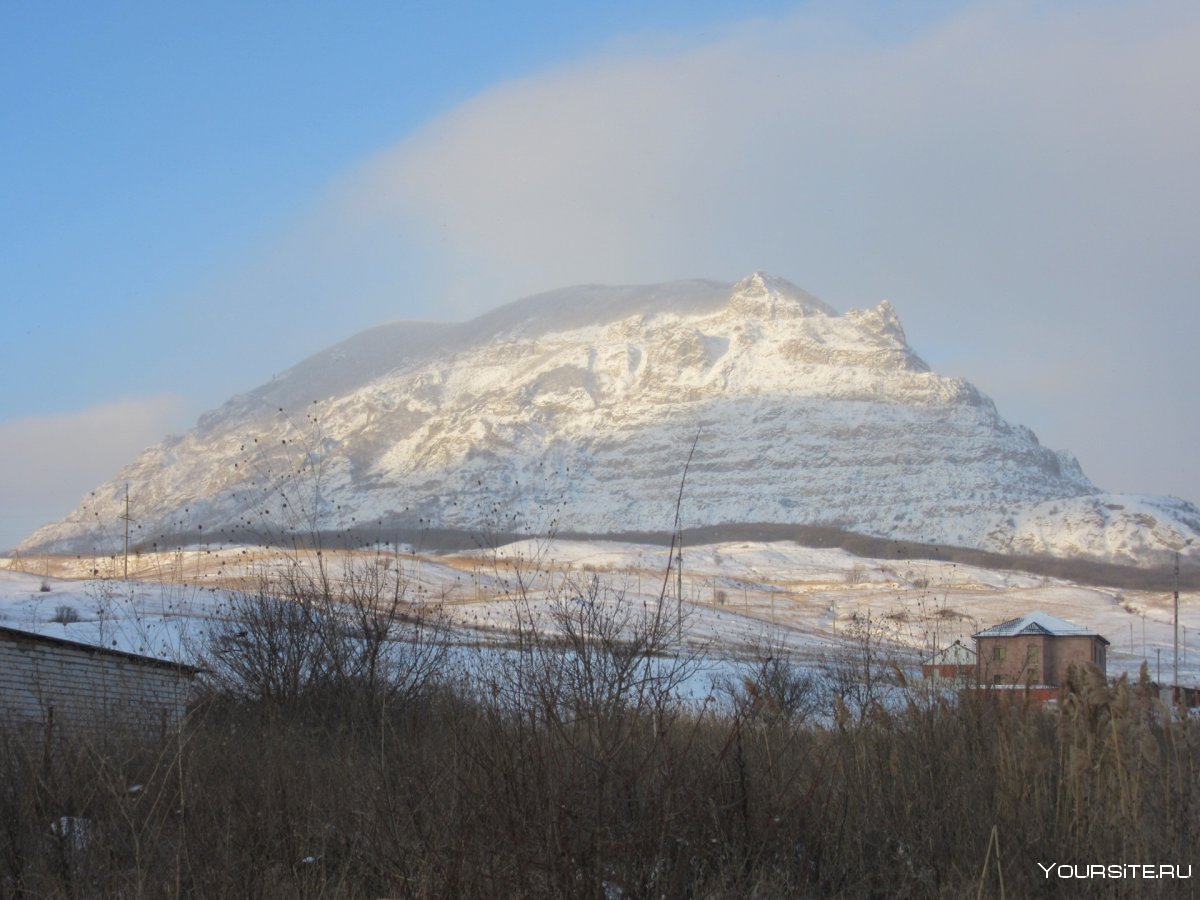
<point x="1035" y="650"/>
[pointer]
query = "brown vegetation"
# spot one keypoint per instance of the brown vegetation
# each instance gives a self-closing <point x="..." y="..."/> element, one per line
<point x="342" y="752"/>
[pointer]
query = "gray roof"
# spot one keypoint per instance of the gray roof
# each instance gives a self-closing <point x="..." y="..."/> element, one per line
<point x="19" y="634"/>
<point x="957" y="654"/>
<point x="1039" y="623"/>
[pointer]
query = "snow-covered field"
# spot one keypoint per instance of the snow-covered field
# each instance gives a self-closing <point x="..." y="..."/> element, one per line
<point x="737" y="597"/>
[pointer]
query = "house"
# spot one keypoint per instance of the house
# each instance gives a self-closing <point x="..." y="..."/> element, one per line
<point x="1035" y="650"/>
<point x="955" y="664"/>
<point x="1178" y="695"/>
<point x="46" y="679"/>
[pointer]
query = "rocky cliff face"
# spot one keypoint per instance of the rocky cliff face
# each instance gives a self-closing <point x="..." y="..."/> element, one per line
<point x="579" y="409"/>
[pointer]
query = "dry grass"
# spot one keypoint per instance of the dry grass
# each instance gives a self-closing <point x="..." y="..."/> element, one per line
<point x="573" y="769"/>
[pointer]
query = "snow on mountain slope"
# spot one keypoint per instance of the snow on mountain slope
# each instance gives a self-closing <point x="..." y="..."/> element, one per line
<point x="578" y="408"/>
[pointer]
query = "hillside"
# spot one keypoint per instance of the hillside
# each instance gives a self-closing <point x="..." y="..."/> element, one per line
<point x="576" y="410"/>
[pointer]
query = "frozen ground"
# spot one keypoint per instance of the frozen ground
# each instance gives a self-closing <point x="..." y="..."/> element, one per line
<point x="736" y="597"/>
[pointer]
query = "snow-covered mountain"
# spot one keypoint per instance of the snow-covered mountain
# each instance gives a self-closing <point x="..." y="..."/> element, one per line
<point x="577" y="409"/>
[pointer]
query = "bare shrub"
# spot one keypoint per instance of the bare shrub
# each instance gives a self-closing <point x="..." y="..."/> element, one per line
<point x="860" y="677"/>
<point x="776" y="688"/>
<point x="462" y="793"/>
<point x="304" y="636"/>
<point x="583" y="735"/>
<point x="65" y="615"/>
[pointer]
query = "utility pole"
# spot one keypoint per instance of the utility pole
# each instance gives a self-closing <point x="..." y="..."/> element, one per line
<point x="679" y="587"/>
<point x="126" y="519"/>
<point x="1176" y="618"/>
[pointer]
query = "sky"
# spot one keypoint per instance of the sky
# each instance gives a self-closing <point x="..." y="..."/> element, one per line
<point x="194" y="197"/>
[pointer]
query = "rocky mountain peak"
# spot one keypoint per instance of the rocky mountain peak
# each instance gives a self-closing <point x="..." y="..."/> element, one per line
<point x="771" y="297"/>
<point x="585" y="401"/>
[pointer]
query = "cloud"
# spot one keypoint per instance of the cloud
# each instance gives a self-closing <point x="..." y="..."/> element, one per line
<point x="1007" y="134"/>
<point x="52" y="461"/>
<point x="1016" y="176"/>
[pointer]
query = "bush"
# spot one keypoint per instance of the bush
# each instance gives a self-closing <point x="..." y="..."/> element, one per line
<point x="349" y="645"/>
<point x="65" y="615"/>
<point x="325" y="762"/>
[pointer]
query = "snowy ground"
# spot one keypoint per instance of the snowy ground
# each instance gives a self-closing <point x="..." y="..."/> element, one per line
<point x="737" y="597"/>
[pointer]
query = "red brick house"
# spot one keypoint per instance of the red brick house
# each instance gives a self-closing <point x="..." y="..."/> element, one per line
<point x="955" y="664"/>
<point x="1036" y="650"/>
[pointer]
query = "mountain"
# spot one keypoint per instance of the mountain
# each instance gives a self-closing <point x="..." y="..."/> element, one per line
<point x="578" y="409"/>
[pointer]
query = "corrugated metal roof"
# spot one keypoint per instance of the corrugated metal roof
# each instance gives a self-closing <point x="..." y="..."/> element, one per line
<point x="1038" y="623"/>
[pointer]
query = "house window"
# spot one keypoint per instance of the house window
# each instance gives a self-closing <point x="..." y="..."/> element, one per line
<point x="1035" y="676"/>
<point x="1032" y="654"/>
<point x="998" y="653"/>
<point x="997" y="679"/>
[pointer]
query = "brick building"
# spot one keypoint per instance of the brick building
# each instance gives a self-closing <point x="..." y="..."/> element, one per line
<point x="43" y="678"/>
<point x="1036" y="650"/>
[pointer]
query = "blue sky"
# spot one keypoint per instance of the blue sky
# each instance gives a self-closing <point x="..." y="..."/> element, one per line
<point x="194" y="197"/>
<point x="152" y="146"/>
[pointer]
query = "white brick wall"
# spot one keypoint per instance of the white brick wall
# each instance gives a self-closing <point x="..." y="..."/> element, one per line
<point x="87" y="686"/>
